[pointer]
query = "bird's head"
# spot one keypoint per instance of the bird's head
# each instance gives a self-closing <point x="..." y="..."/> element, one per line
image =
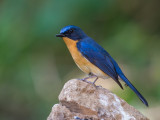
<point x="72" y="32"/>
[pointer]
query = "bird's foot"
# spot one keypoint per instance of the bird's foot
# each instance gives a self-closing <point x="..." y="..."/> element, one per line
<point x="93" y="83"/>
<point x="85" y="79"/>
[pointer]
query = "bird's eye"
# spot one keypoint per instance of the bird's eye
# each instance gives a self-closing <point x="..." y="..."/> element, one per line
<point x="70" y="31"/>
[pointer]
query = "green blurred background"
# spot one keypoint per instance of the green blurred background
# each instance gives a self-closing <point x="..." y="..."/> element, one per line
<point x="34" y="64"/>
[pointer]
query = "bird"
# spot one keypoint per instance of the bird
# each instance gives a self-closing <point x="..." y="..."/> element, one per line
<point x="93" y="59"/>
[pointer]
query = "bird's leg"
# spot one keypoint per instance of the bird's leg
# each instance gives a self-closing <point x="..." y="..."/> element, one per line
<point x="85" y="79"/>
<point x="90" y="76"/>
<point x="95" y="80"/>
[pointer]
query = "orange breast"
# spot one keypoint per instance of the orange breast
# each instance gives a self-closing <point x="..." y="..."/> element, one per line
<point x="81" y="61"/>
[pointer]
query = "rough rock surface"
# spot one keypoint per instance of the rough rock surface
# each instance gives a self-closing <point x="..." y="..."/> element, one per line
<point x="87" y="102"/>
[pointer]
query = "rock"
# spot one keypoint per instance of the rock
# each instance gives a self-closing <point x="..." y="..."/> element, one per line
<point x="83" y="101"/>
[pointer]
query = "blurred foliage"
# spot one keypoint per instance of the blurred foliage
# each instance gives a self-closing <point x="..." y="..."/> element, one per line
<point x="34" y="64"/>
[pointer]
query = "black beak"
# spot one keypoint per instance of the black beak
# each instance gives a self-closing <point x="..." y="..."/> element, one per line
<point x="60" y="35"/>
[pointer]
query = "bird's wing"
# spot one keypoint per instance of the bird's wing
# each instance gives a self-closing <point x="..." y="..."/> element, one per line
<point x="99" y="57"/>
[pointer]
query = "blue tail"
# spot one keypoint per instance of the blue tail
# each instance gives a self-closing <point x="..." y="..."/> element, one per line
<point x="123" y="77"/>
<point x="134" y="89"/>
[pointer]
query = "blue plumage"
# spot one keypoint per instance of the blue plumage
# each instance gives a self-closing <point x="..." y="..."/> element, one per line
<point x="99" y="57"/>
